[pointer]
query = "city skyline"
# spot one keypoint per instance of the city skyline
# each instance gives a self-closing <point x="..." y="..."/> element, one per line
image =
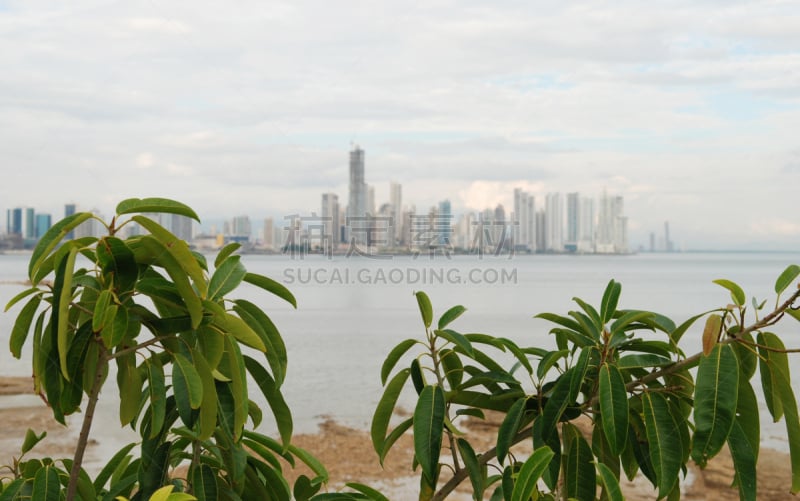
<point x="561" y="225"/>
<point x="687" y="109"/>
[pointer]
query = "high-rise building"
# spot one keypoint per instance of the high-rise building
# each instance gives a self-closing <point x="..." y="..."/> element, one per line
<point x="573" y="221"/>
<point x="580" y="223"/>
<point x="396" y="209"/>
<point x="541" y="231"/>
<point x="330" y="220"/>
<point x="180" y="226"/>
<point x="612" y="226"/>
<point x="91" y="227"/>
<point x="444" y="222"/>
<point x="43" y="223"/>
<point x="28" y="223"/>
<point x="554" y="221"/>
<point x="586" y="225"/>
<point x="524" y="221"/>
<point x="357" y="197"/>
<point x="69" y="209"/>
<point x="269" y="233"/>
<point x="14" y="221"/>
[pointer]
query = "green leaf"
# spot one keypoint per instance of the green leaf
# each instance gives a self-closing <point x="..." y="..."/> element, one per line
<point x="204" y="483"/>
<point x="208" y="406"/>
<point x="665" y="451"/>
<point x="111" y="466"/>
<point x="530" y="473"/>
<point x="644" y="360"/>
<point x="158" y="396"/>
<point x="715" y="398"/>
<point x="425" y="308"/>
<point x="51" y="239"/>
<point x="225" y="252"/>
<point x="548" y="360"/>
<point x="283" y="416"/>
<point x="263" y="326"/>
<point x="187" y="387"/>
<point x="64" y="300"/>
<point x="22" y="295"/>
<point x="118" y="264"/>
<point x="114" y="333"/>
<point x="371" y="493"/>
<point x="613" y="399"/>
<point x="450" y="315"/>
<point x="744" y="462"/>
<point x="676" y="335"/>
<point x="457" y="339"/>
<point x="239" y="329"/>
<point x="393" y="357"/>
<point x="155" y="205"/>
<point x="610" y="483"/>
<point x="19" y="333"/>
<point x="46" y="486"/>
<point x="384" y="409"/>
<point x="272" y="286"/>
<point x="772" y="363"/>
<point x="178" y="275"/>
<point x="474" y="469"/>
<point x="392" y="437"/>
<point x="579" y="472"/>
<point x="454" y="369"/>
<point x="428" y="430"/>
<point x="786" y="278"/>
<point x="129" y="381"/>
<point x="179" y="250"/>
<point x="610" y="299"/>
<point x="509" y="428"/>
<point x="313" y="463"/>
<point x="226" y="278"/>
<point x="31" y="439"/>
<point x="782" y="385"/>
<point x="737" y="294"/>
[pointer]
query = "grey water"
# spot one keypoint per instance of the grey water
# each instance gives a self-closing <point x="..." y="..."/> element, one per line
<point x="352" y="311"/>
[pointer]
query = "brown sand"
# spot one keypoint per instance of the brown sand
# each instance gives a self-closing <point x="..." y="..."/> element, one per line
<point x="349" y="457"/>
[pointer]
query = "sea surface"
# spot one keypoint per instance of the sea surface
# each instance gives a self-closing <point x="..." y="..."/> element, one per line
<point x="353" y="310"/>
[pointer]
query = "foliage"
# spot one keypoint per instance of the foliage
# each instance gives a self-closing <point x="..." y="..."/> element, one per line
<point x="181" y="349"/>
<point x="617" y="396"/>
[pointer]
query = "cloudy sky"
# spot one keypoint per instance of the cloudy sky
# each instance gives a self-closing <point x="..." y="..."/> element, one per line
<point x="689" y="109"/>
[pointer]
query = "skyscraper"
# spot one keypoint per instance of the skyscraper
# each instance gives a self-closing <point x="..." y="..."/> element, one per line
<point x="554" y="222"/>
<point x="357" y="199"/>
<point x="444" y="222"/>
<point x="330" y="220"/>
<point x="573" y="221"/>
<point x="524" y="221"/>
<point x="612" y="226"/>
<point x="396" y="208"/>
<point x="69" y="209"/>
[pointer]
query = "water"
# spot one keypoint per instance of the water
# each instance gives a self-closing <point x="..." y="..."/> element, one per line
<point x="340" y="333"/>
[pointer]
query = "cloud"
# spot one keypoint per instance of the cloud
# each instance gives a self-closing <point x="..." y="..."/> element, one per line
<point x="676" y="106"/>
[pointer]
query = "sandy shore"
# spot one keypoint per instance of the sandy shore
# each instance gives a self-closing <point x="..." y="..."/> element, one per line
<point x="349" y="456"/>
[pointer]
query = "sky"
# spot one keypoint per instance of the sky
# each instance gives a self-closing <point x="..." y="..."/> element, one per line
<point x="688" y="109"/>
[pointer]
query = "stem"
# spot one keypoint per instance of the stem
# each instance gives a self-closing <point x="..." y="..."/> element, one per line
<point x="88" y="417"/>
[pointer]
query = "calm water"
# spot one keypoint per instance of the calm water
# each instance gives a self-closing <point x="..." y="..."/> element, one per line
<point x="340" y="333"/>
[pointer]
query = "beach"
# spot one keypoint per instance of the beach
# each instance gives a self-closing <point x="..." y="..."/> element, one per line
<point x="348" y="455"/>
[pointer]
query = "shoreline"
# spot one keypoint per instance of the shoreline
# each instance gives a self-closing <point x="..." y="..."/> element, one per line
<point x="348" y="455"/>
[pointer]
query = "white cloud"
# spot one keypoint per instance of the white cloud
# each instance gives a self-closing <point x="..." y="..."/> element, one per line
<point x="681" y="106"/>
